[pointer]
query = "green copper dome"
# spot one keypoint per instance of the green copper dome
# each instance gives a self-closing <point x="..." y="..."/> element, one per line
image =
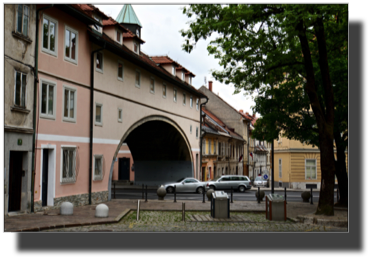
<point x="128" y="16"/>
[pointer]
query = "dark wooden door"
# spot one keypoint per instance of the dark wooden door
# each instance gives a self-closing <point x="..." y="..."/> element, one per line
<point x="45" y="168"/>
<point x="124" y="167"/>
<point x="15" y="180"/>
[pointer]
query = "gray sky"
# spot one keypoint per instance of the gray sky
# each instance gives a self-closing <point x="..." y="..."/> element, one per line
<point x="161" y="26"/>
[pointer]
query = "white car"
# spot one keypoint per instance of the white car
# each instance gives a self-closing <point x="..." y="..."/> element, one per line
<point x="237" y="182"/>
<point x="186" y="185"/>
<point x="260" y="181"/>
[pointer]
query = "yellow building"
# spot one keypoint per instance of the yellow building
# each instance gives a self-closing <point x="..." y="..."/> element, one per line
<point x="296" y="163"/>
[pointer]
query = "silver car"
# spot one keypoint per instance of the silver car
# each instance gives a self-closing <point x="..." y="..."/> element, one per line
<point x="260" y="181"/>
<point x="186" y="185"/>
<point x="237" y="182"/>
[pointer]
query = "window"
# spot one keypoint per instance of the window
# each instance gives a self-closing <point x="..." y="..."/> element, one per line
<point x="136" y="47"/>
<point x="47" y="99"/>
<point x="20" y="88"/>
<point x="311" y="169"/>
<point x="190" y="78"/>
<point x="183" y="76"/>
<point x="99" y="114"/>
<point x="164" y="90"/>
<point x="196" y="132"/>
<point x="118" y="36"/>
<point x="96" y="27"/>
<point x="137" y="33"/>
<point x="209" y="146"/>
<point x="184" y="99"/>
<point x="69" y="104"/>
<point x="175" y="95"/>
<point x="214" y="147"/>
<point x="49" y="35"/>
<point x="173" y="70"/>
<point x="68" y="164"/>
<point x="120" y="71"/>
<point x="191" y="129"/>
<point x="280" y="168"/>
<point x="22" y="19"/>
<point x="71" y="45"/>
<point x="99" y="62"/>
<point x="151" y="84"/>
<point x="203" y="146"/>
<point x="137" y="79"/>
<point x="197" y="104"/>
<point x="98" y="167"/>
<point x="191" y="101"/>
<point x="120" y="115"/>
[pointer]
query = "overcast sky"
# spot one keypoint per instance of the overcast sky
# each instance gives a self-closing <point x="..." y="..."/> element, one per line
<point x="161" y="26"/>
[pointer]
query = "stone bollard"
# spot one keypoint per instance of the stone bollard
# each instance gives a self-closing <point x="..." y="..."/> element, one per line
<point x="262" y="194"/>
<point x="161" y="192"/>
<point x="209" y="194"/>
<point x="67" y="208"/>
<point x="101" y="211"/>
<point x="305" y="196"/>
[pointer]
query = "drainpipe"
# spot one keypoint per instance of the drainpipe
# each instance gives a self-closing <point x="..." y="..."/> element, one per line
<point x="200" y="135"/>
<point x="35" y="106"/>
<point x="92" y="120"/>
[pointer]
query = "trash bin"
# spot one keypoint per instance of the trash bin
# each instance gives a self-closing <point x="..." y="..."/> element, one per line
<point x="220" y="205"/>
<point x="275" y="207"/>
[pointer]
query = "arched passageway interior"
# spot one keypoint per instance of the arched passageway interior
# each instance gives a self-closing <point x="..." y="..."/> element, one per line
<point x="159" y="152"/>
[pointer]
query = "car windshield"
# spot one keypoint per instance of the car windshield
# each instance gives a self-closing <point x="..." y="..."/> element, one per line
<point x="180" y="180"/>
<point x="217" y="178"/>
<point x="258" y="178"/>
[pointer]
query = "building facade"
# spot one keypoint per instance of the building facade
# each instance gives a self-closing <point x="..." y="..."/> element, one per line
<point x="19" y="75"/>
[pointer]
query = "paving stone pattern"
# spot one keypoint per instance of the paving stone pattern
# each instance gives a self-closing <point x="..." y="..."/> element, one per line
<point x="197" y="221"/>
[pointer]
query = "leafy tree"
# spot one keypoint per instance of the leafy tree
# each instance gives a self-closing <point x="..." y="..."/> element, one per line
<point x="284" y="53"/>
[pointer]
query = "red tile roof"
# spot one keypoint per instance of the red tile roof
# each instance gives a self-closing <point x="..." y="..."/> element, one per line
<point x="221" y="124"/>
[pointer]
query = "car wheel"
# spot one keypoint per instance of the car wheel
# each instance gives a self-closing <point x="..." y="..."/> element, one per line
<point x="200" y="190"/>
<point x="212" y="187"/>
<point x="170" y="189"/>
<point x="241" y="189"/>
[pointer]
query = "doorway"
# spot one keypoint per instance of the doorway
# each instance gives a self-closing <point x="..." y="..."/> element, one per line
<point x="15" y="180"/>
<point x="124" y="167"/>
<point x="45" y="176"/>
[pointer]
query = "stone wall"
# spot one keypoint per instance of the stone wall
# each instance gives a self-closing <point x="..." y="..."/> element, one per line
<point x="76" y="200"/>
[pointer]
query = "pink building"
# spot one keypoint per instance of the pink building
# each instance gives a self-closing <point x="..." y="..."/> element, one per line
<point x="106" y="110"/>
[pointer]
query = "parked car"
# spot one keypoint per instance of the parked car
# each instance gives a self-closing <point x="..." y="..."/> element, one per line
<point x="237" y="182"/>
<point x="260" y="181"/>
<point x="186" y="185"/>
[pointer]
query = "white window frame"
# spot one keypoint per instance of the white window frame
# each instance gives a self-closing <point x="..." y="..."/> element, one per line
<point x="98" y="177"/>
<point x="74" y="61"/>
<point x="137" y="47"/>
<point x="154" y="85"/>
<point x="69" y="119"/>
<point x="21" y="93"/>
<point x="139" y="73"/>
<point x="191" y="101"/>
<point x="173" y="70"/>
<point x="43" y="115"/>
<point x="102" y="62"/>
<point x="197" y="104"/>
<point x="22" y="19"/>
<point x="175" y="95"/>
<point x="122" y="71"/>
<point x="184" y="99"/>
<point x="280" y="168"/>
<point x="121" y="36"/>
<point x="120" y="119"/>
<point x="101" y="114"/>
<point x="190" y="80"/>
<point x="166" y="90"/>
<point x="48" y="51"/>
<point x="183" y="76"/>
<point x="316" y="170"/>
<point x="99" y="19"/>
<point x="70" y="180"/>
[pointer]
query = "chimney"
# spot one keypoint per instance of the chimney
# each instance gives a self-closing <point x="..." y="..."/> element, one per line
<point x="210" y="85"/>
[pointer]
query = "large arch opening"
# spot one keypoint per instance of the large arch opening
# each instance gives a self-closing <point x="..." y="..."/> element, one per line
<point x="160" y="150"/>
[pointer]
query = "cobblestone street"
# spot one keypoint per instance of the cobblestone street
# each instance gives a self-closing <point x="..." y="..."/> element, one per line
<point x="164" y="221"/>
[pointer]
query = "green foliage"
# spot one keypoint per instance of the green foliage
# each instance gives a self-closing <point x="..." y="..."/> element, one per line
<point x="259" y="49"/>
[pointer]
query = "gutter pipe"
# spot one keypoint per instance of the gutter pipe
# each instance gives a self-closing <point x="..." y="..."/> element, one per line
<point x="92" y="121"/>
<point x="35" y="105"/>
<point x="201" y="135"/>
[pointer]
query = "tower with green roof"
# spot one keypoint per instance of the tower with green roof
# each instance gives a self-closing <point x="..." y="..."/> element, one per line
<point x="128" y="18"/>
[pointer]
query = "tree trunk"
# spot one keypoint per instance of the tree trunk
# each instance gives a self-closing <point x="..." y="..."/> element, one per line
<point x="341" y="171"/>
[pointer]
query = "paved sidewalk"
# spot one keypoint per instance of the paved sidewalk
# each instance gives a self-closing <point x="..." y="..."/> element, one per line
<point x="85" y="215"/>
